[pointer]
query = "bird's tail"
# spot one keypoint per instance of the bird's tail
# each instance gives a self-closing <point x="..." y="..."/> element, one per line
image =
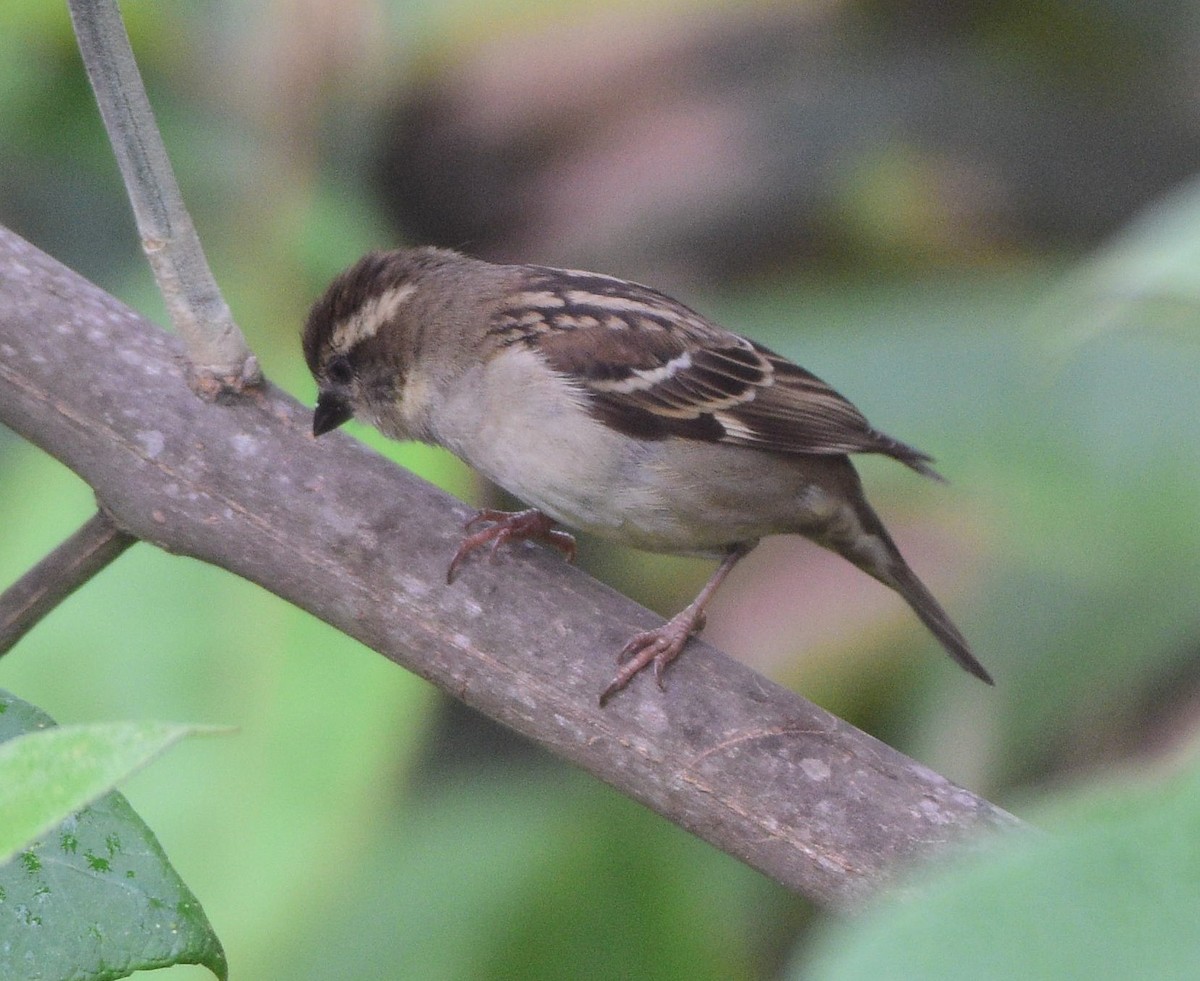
<point x="880" y="558"/>
<point x="930" y="611"/>
<point x="910" y="456"/>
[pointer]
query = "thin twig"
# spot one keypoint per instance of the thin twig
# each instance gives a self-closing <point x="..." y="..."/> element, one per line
<point x="219" y="358"/>
<point x="58" y="575"/>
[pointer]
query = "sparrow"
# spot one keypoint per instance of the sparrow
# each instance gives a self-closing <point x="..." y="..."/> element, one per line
<point x="611" y="409"/>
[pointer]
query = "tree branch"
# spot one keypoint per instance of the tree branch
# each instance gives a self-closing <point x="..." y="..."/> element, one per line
<point x="332" y="527"/>
<point x="97" y="543"/>
<point x="220" y="359"/>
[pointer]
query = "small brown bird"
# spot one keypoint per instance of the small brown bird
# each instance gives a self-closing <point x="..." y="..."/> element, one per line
<point x="612" y="409"/>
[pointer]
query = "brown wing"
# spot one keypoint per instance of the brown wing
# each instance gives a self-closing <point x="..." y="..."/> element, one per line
<point x="654" y="368"/>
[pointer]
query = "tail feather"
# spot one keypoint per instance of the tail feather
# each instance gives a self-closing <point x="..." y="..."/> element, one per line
<point x="888" y="566"/>
<point x="930" y="611"/>
<point x="910" y="456"/>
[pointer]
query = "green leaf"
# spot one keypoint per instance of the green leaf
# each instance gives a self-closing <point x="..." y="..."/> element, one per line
<point x="93" y="897"/>
<point x="59" y="770"/>
<point x="1148" y="276"/>
<point x="1111" y="893"/>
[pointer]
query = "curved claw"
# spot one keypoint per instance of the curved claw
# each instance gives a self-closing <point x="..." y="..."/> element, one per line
<point x="562" y="541"/>
<point x="488" y="514"/>
<point x="658" y="647"/>
<point x="661" y="646"/>
<point x="510" y="526"/>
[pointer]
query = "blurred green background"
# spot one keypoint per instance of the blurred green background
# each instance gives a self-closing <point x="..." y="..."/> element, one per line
<point x="979" y="221"/>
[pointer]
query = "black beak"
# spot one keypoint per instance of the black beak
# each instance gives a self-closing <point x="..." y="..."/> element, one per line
<point x="331" y="411"/>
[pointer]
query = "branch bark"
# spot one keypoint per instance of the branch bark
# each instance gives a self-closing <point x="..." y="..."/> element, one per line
<point x="332" y="527"/>
<point x="220" y="358"/>
<point x="97" y="543"/>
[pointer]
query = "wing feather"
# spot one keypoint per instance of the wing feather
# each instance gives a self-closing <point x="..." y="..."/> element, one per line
<point x="654" y="368"/>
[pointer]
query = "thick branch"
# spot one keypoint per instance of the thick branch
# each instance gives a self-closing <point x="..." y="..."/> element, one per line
<point x="529" y="640"/>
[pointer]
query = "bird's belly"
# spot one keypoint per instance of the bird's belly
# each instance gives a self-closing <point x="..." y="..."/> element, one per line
<point x="669" y="495"/>
<point x="590" y="486"/>
<point x="642" y="494"/>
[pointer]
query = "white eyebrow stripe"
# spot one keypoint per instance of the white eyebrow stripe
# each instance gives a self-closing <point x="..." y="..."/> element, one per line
<point x="366" y="321"/>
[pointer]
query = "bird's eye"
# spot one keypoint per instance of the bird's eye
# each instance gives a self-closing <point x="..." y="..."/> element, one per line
<point x="339" y="371"/>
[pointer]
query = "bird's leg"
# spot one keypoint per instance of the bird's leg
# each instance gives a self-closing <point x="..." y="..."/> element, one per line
<point x="507" y="526"/>
<point x="662" y="645"/>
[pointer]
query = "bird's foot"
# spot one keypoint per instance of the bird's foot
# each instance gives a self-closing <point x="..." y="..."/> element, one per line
<point x="507" y="526"/>
<point x="658" y="647"/>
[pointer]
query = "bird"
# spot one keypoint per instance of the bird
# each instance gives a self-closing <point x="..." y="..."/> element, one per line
<point x="612" y="409"/>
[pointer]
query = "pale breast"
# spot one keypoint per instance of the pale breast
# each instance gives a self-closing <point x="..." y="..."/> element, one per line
<point x="528" y="430"/>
